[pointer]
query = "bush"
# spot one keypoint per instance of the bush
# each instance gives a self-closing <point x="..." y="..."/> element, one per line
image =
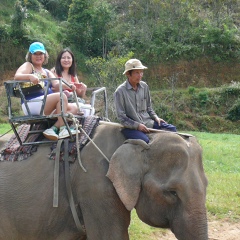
<point x="231" y="90"/>
<point x="203" y="97"/>
<point x="32" y="4"/>
<point x="191" y="90"/>
<point x="234" y="111"/>
<point x="16" y="106"/>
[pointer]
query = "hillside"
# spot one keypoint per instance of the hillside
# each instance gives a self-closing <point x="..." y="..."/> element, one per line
<point x="215" y="110"/>
<point x="6" y="11"/>
<point x="39" y="26"/>
<point x="193" y="93"/>
<point x="205" y="53"/>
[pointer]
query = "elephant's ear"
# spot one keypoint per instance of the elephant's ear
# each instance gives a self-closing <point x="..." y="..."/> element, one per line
<point x="125" y="171"/>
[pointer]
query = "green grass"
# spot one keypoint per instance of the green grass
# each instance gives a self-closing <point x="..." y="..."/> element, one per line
<point x="221" y="159"/>
<point x="139" y="230"/>
<point x="4" y="127"/>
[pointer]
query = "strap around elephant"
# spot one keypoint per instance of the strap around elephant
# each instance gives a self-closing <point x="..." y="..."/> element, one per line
<point x="69" y="188"/>
<point x="56" y="174"/>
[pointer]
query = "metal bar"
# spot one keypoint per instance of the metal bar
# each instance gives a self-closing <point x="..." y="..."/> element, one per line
<point x="62" y="107"/>
<point x="16" y="133"/>
<point x="45" y="95"/>
<point x="106" y="103"/>
<point x="39" y="142"/>
<point x="76" y="100"/>
<point x="94" y="93"/>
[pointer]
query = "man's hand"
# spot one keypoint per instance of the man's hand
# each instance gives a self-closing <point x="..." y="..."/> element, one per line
<point x="143" y="128"/>
<point x="159" y="120"/>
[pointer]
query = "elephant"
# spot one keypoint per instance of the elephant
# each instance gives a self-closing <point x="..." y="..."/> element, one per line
<point x="163" y="180"/>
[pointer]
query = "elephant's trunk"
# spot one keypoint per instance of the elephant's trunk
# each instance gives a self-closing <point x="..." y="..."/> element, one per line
<point x="194" y="226"/>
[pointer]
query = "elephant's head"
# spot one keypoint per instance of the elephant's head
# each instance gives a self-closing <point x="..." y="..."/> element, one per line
<point x="164" y="181"/>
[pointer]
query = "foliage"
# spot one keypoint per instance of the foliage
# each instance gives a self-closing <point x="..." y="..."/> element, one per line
<point x="234" y="111"/>
<point x="57" y="8"/>
<point x="229" y="90"/>
<point x="31" y="4"/>
<point x="150" y="29"/>
<point x="30" y="22"/>
<point x="156" y="30"/>
<point x="17" y="26"/>
<point x="89" y="22"/>
<point x="108" y="73"/>
<point x="198" y="109"/>
<point x="191" y="90"/>
<point x="16" y="107"/>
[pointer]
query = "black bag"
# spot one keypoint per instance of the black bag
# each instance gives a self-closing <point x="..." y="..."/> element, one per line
<point x="29" y="89"/>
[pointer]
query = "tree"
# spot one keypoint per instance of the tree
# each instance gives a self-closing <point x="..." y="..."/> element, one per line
<point x="17" y="26"/>
<point x="89" y="21"/>
<point x="58" y="8"/>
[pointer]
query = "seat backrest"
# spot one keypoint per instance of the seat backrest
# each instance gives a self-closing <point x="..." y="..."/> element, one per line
<point x="16" y="89"/>
<point x="15" y="120"/>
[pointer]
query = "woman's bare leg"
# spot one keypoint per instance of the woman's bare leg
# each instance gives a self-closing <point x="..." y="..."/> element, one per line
<point x="72" y="108"/>
<point x="53" y="103"/>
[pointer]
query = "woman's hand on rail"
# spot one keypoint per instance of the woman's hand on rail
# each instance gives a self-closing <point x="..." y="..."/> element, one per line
<point x="73" y="87"/>
<point x="34" y="79"/>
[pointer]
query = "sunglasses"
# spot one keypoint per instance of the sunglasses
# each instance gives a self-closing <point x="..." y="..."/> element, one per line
<point x="38" y="53"/>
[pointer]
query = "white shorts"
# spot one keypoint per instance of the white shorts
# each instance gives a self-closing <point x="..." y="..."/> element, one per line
<point x="34" y="107"/>
<point x="87" y="109"/>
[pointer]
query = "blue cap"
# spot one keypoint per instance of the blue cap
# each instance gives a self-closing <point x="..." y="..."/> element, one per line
<point x="37" y="47"/>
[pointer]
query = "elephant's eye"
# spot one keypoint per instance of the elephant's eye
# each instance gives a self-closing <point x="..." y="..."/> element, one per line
<point x="173" y="193"/>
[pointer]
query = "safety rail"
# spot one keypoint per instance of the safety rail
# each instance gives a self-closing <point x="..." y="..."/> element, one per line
<point x="96" y="92"/>
<point x="31" y="119"/>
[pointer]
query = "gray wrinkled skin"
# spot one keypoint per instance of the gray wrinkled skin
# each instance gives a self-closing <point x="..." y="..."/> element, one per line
<point x="164" y="181"/>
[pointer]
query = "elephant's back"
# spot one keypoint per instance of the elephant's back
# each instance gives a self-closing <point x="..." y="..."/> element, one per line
<point x="109" y="136"/>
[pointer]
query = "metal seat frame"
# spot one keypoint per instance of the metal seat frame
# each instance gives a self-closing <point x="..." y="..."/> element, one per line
<point x="15" y="121"/>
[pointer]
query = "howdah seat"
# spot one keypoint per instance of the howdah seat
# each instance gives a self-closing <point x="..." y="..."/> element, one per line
<point x="17" y="120"/>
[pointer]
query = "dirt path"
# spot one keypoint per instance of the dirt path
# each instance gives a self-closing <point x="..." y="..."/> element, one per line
<point x="4" y="139"/>
<point x="218" y="230"/>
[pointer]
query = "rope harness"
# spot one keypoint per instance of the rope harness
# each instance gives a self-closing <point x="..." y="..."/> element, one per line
<point x="72" y="204"/>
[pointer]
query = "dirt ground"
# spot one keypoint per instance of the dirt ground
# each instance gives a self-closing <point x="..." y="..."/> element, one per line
<point x="217" y="230"/>
<point x="3" y="139"/>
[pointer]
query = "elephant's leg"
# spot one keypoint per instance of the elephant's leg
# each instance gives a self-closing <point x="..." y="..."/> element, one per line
<point x="106" y="220"/>
<point x="105" y="217"/>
